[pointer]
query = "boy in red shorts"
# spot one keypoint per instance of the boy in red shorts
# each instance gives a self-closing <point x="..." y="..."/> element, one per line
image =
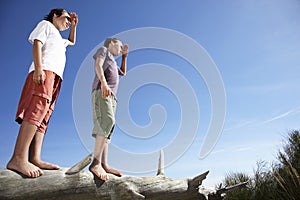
<point x="41" y="90"/>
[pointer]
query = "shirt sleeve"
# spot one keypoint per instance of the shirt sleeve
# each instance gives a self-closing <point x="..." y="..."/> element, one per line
<point x="66" y="42"/>
<point x="119" y="70"/>
<point x="40" y="32"/>
<point x="101" y="53"/>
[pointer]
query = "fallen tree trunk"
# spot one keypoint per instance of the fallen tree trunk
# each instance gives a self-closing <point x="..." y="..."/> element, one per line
<point x="83" y="185"/>
<point x="59" y="186"/>
<point x="76" y="184"/>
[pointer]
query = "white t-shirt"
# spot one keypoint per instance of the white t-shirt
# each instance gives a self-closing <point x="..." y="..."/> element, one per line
<point x="54" y="47"/>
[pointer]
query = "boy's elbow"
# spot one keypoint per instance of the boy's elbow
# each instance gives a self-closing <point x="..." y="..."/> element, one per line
<point x="123" y="73"/>
<point x="72" y="43"/>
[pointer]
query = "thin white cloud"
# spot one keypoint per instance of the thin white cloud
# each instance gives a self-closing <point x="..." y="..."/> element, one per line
<point x="218" y="151"/>
<point x="280" y="116"/>
<point x="239" y="125"/>
<point x="244" y="149"/>
<point x="283" y="115"/>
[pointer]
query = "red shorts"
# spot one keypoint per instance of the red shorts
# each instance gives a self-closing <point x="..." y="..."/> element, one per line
<point x="37" y="101"/>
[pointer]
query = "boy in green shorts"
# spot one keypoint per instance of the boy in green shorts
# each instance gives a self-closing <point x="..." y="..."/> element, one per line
<point x="104" y="102"/>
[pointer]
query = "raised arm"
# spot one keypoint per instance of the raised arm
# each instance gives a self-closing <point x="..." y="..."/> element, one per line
<point x="124" y="60"/>
<point x="73" y="27"/>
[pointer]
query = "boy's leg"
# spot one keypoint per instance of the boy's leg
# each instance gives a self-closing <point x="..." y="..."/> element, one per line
<point x="52" y="83"/>
<point x="96" y="167"/>
<point x="105" y="163"/>
<point x="19" y="161"/>
<point x="111" y="115"/>
<point x="35" y="152"/>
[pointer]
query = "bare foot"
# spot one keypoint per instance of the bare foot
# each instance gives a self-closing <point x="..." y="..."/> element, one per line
<point x="44" y="165"/>
<point x="111" y="170"/>
<point x="98" y="171"/>
<point x="24" y="167"/>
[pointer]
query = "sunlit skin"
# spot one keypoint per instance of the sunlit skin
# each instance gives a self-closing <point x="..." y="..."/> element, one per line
<point x="99" y="166"/>
<point x="62" y="23"/>
<point x="29" y="139"/>
<point x="115" y="49"/>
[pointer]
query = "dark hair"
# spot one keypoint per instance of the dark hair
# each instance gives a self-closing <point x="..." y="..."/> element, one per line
<point x="109" y="40"/>
<point x="57" y="11"/>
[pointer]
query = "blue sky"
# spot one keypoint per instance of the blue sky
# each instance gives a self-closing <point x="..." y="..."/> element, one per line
<point x="255" y="46"/>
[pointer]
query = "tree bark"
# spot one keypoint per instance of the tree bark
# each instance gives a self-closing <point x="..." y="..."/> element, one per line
<point x="75" y="184"/>
<point x="83" y="185"/>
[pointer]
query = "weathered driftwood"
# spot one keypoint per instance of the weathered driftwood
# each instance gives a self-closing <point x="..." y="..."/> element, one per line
<point x="59" y="185"/>
<point x="232" y="188"/>
<point x="161" y="163"/>
<point x="81" y="165"/>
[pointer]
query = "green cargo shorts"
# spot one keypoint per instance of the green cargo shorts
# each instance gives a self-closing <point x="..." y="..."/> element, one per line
<point x="104" y="111"/>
